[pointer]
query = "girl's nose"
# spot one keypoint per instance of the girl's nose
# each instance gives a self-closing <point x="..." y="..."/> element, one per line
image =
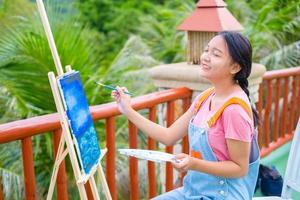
<point x="205" y="57"/>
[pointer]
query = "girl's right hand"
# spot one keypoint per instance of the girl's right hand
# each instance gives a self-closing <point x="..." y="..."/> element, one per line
<point x="122" y="99"/>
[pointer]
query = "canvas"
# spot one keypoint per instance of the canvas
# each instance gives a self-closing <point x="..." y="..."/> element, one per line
<point x="80" y="120"/>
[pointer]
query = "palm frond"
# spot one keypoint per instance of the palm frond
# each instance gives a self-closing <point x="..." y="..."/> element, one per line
<point x="12" y="184"/>
<point x="288" y="56"/>
<point x="25" y="58"/>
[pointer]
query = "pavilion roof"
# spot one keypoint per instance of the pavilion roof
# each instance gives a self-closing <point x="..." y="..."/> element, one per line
<point x="210" y="16"/>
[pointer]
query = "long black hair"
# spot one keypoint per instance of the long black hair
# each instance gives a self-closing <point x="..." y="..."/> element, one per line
<point x="240" y="51"/>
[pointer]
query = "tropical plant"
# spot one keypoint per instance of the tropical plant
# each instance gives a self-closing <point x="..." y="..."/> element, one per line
<point x="122" y="40"/>
<point x="11" y="171"/>
<point x="154" y="21"/>
<point x="158" y="30"/>
<point x="273" y="28"/>
<point x="25" y="60"/>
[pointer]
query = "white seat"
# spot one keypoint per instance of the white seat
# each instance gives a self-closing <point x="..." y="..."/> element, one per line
<point x="267" y="198"/>
<point x="292" y="174"/>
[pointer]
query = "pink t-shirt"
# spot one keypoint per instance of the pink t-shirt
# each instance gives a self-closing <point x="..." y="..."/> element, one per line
<point x="234" y="123"/>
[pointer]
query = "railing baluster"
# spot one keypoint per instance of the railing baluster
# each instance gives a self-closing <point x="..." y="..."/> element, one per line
<point x="169" y="149"/>
<point x="28" y="167"/>
<point x="1" y="190"/>
<point x="88" y="190"/>
<point x="276" y="112"/>
<point x="111" y="156"/>
<point x="285" y="104"/>
<point x="298" y="102"/>
<point x="259" y="109"/>
<point x="267" y="114"/>
<point x="292" y="108"/>
<point x="133" y="164"/>
<point x="61" y="180"/>
<point x="151" y="165"/>
<point x="185" y="140"/>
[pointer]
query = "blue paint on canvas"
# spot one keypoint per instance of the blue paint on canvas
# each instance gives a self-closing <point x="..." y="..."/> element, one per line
<point x="80" y="120"/>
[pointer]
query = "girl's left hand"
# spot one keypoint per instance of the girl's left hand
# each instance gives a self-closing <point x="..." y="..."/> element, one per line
<point x="185" y="162"/>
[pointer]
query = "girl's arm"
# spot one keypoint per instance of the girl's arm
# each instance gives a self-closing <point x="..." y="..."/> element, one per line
<point x="167" y="136"/>
<point x="237" y="167"/>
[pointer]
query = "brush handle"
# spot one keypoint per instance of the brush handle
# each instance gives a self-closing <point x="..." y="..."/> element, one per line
<point x="109" y="87"/>
<point x="113" y="88"/>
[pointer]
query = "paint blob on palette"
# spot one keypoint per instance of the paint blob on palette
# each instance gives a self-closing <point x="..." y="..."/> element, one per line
<point x="80" y="120"/>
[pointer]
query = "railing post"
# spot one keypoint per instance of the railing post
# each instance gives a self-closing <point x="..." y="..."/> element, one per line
<point x="61" y="180"/>
<point x="185" y="140"/>
<point x="259" y="106"/>
<point x="169" y="149"/>
<point x="292" y="109"/>
<point x="298" y="100"/>
<point x="151" y="165"/>
<point x="285" y="104"/>
<point x="88" y="190"/>
<point x="28" y="166"/>
<point x="267" y="113"/>
<point x="111" y="156"/>
<point x="133" y="164"/>
<point x="276" y="111"/>
<point x="1" y="190"/>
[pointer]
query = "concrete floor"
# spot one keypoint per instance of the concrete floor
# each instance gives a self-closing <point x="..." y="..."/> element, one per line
<point x="279" y="159"/>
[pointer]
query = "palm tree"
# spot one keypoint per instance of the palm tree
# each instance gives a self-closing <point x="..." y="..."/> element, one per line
<point x="273" y="28"/>
<point x="25" y="60"/>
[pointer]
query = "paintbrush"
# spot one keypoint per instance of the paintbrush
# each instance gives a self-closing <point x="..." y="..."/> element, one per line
<point x="110" y="87"/>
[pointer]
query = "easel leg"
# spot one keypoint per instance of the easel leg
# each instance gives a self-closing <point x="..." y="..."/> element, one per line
<point x="82" y="192"/>
<point x="94" y="188"/>
<point x="103" y="182"/>
<point x="56" y="167"/>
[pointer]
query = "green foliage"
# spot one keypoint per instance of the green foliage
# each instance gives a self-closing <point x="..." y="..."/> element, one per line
<point x="273" y="28"/>
<point x="159" y="30"/>
<point x="155" y="21"/>
<point x="25" y="60"/>
<point x="116" y="42"/>
<point x="11" y="171"/>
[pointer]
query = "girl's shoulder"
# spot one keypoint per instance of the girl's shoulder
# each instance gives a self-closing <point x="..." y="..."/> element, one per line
<point x="238" y="99"/>
<point x="201" y="98"/>
<point x="238" y="108"/>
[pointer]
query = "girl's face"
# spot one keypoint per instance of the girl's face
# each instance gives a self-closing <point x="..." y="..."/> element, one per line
<point x="216" y="63"/>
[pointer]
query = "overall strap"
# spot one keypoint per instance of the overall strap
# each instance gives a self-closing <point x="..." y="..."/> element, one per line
<point x="234" y="100"/>
<point x="202" y="98"/>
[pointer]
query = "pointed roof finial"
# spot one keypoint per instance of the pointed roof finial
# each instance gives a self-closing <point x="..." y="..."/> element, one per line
<point x="211" y="3"/>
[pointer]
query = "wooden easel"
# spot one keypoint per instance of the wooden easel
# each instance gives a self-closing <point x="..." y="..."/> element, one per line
<point x="66" y="137"/>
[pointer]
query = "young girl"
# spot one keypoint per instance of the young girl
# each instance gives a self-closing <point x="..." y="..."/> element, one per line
<point x="224" y="156"/>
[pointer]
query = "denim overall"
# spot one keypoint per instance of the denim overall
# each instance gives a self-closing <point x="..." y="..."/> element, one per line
<point x="202" y="186"/>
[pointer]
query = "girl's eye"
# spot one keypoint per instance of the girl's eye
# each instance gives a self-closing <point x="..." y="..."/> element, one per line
<point x="216" y="55"/>
<point x="205" y="50"/>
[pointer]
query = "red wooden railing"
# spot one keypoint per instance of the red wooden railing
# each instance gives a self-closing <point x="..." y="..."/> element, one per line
<point x="279" y="108"/>
<point x="24" y="130"/>
<point x="274" y="131"/>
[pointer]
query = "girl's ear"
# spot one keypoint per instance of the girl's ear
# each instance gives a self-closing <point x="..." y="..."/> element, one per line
<point x="235" y="68"/>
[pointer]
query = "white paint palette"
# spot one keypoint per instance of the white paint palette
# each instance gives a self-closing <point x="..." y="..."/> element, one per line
<point x="155" y="156"/>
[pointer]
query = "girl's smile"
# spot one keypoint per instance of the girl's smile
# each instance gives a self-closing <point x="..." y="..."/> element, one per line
<point x="205" y="67"/>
